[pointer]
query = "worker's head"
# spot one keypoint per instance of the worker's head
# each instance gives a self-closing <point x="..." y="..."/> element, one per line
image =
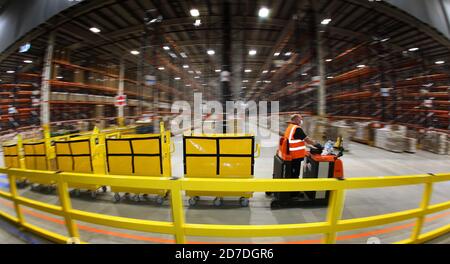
<point x="297" y="119"/>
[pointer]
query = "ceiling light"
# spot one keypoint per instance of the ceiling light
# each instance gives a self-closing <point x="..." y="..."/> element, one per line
<point x="252" y="52"/>
<point x="245" y="81"/>
<point x="304" y="74"/>
<point x="177" y="78"/>
<point x="267" y="81"/>
<point x="218" y="70"/>
<point x="264" y="72"/>
<point x="288" y="54"/>
<point x="166" y="48"/>
<point x="173" y="55"/>
<point x="161" y="68"/>
<point x="330" y="77"/>
<point x="248" y="71"/>
<point x="185" y="66"/>
<point x="59" y="77"/>
<point x="276" y="54"/>
<point x="361" y="66"/>
<point x="409" y="79"/>
<point x="28" y="61"/>
<point x="384" y="40"/>
<point x="326" y="21"/>
<point x="439" y="62"/>
<point x="198" y="72"/>
<point x="198" y="23"/>
<point x="413" y="49"/>
<point x="195" y="12"/>
<point x="264" y="12"/>
<point x="95" y="30"/>
<point x="328" y="60"/>
<point x="135" y="52"/>
<point x="191" y="72"/>
<point x="182" y="54"/>
<point x="211" y="52"/>
<point x="10" y="72"/>
<point x="197" y="77"/>
<point x="188" y="85"/>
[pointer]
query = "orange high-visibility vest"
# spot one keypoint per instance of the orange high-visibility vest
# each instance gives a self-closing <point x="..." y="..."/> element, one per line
<point x="291" y="148"/>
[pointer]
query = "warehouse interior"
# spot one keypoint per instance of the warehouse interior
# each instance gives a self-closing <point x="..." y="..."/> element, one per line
<point x="372" y="73"/>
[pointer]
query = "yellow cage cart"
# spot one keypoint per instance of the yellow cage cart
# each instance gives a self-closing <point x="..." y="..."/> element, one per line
<point x="36" y="158"/>
<point x="81" y="155"/>
<point x="14" y="158"/>
<point x="219" y="156"/>
<point x="139" y="155"/>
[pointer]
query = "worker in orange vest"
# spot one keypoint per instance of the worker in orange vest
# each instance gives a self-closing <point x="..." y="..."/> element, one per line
<point x="293" y="144"/>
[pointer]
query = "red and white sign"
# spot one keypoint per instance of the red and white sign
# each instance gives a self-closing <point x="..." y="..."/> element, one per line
<point x="121" y="100"/>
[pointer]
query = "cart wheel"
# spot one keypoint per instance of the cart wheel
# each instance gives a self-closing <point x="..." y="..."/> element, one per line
<point x="104" y="189"/>
<point x="218" y="202"/>
<point x="160" y="200"/>
<point x="269" y="194"/>
<point x="77" y="193"/>
<point x="244" y="202"/>
<point x="136" y="198"/>
<point x="48" y="190"/>
<point x="127" y="196"/>
<point x="94" y="195"/>
<point x="117" y="198"/>
<point x="33" y="187"/>
<point x="192" y="201"/>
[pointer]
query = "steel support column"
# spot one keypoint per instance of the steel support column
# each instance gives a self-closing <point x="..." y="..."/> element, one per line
<point x="121" y="92"/>
<point x="322" y="89"/>
<point x="226" y="59"/>
<point x="45" y="86"/>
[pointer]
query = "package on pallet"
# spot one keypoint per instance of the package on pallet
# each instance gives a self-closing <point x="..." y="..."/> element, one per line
<point x="396" y="144"/>
<point x="82" y="126"/>
<point x="90" y="98"/>
<point x="54" y="96"/>
<point x="410" y="145"/>
<point x="362" y="132"/>
<point x="435" y="142"/>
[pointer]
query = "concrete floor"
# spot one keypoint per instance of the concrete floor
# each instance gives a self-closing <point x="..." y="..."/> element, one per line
<point x="361" y="161"/>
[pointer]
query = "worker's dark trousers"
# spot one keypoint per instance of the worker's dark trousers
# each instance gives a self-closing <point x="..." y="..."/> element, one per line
<point x="296" y="166"/>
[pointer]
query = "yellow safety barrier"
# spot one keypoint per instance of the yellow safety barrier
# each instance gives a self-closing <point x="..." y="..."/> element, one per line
<point x="139" y="155"/>
<point x="219" y="156"/>
<point x="180" y="229"/>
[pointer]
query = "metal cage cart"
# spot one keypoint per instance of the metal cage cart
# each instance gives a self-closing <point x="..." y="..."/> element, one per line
<point x="219" y="156"/>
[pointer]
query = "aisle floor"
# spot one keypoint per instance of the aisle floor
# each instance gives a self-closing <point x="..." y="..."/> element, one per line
<point x="360" y="161"/>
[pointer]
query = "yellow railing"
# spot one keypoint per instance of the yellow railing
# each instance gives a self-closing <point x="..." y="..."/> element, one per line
<point x="180" y="229"/>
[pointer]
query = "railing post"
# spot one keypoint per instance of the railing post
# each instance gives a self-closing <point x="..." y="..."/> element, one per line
<point x="178" y="212"/>
<point x="335" y="208"/>
<point x="13" y="191"/>
<point x="426" y="198"/>
<point x="64" y="199"/>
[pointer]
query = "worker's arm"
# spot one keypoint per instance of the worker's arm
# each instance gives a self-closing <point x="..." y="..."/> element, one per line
<point x="300" y="134"/>
<point x="310" y="141"/>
